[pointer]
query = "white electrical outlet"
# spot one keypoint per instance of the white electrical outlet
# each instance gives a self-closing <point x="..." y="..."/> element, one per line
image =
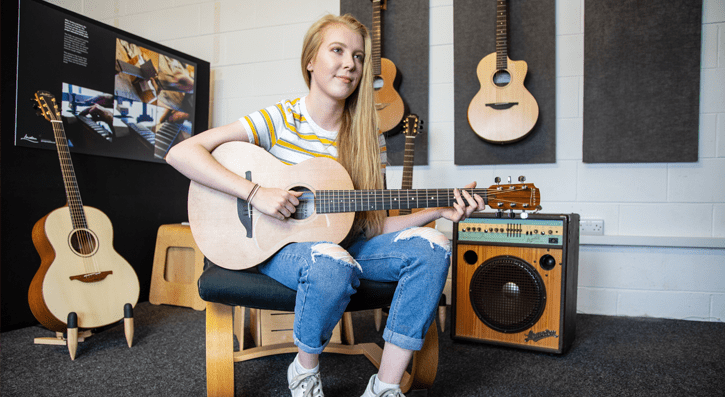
<point x="592" y="227"/>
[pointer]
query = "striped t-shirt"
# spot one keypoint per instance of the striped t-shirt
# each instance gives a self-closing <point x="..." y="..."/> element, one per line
<point x="287" y="131"/>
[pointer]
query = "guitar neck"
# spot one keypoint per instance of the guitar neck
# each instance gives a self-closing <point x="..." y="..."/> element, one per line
<point x="335" y="201"/>
<point x="376" y="37"/>
<point x="501" y="35"/>
<point x="408" y="159"/>
<point x="72" y="192"/>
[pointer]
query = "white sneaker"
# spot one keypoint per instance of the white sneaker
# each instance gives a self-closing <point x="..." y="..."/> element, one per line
<point x="384" y="393"/>
<point x="304" y="385"/>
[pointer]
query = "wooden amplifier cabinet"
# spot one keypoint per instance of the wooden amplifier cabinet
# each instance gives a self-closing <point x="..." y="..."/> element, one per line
<point x="515" y="280"/>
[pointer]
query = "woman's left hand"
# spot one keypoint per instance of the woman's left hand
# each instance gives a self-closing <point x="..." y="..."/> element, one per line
<point x="460" y="210"/>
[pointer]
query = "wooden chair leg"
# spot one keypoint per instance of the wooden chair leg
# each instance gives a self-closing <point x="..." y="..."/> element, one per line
<point x="425" y="363"/>
<point x="347" y="327"/>
<point x="378" y="318"/>
<point x="219" y="350"/>
<point x="239" y="313"/>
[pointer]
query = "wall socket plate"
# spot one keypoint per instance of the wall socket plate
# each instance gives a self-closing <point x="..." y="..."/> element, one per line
<point x="591" y="227"/>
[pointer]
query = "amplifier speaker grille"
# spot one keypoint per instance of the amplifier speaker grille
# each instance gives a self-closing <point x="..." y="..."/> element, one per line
<point x="507" y="294"/>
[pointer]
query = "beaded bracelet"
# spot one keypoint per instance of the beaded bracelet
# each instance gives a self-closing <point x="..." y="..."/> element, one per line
<point x="252" y="193"/>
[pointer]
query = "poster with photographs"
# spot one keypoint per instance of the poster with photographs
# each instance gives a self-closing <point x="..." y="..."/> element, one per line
<point x="119" y="95"/>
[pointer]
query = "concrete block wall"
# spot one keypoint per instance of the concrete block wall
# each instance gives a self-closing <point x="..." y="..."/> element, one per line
<point x="254" y="52"/>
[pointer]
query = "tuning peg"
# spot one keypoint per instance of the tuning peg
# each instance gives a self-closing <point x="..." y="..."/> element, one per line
<point x="524" y="215"/>
<point x="509" y="180"/>
<point x="522" y="178"/>
<point x="499" y="213"/>
<point x="497" y="180"/>
<point x="511" y="214"/>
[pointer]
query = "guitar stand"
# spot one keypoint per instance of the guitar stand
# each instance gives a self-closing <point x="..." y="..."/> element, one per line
<point x="74" y="336"/>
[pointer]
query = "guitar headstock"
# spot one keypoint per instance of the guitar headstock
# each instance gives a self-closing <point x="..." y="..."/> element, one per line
<point x="45" y="106"/>
<point x="412" y="125"/>
<point x="520" y="196"/>
<point x="383" y="3"/>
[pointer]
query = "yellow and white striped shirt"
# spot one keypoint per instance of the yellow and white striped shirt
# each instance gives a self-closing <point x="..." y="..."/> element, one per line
<point x="287" y="131"/>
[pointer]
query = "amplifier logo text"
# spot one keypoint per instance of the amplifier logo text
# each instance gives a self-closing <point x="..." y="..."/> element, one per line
<point x="535" y="337"/>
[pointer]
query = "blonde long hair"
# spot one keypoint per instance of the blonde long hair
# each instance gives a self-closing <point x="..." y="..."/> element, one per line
<point x="357" y="141"/>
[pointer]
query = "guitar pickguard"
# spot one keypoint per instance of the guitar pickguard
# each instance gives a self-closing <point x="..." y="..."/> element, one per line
<point x="244" y="210"/>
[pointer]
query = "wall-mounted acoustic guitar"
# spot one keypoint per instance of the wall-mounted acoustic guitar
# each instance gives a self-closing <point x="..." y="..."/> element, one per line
<point x="234" y="235"/>
<point x="80" y="272"/>
<point x="503" y="111"/>
<point x="388" y="103"/>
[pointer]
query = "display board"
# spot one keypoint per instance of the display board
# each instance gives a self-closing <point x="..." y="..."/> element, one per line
<point x="530" y="37"/>
<point x="641" y="80"/>
<point x="119" y="95"/>
<point x="404" y="41"/>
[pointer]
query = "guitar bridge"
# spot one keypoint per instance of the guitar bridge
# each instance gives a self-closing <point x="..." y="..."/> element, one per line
<point x="502" y="105"/>
<point x="91" y="277"/>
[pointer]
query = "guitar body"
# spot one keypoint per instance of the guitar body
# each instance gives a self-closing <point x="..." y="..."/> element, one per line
<point x="502" y="113"/>
<point x="52" y="294"/>
<point x="388" y="103"/>
<point x="234" y="238"/>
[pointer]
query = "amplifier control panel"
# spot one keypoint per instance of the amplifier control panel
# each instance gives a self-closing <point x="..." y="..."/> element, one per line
<point x="511" y="231"/>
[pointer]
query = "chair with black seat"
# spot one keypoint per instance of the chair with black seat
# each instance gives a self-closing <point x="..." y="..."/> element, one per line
<point x="225" y="289"/>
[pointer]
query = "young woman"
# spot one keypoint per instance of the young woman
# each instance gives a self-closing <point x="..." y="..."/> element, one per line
<point x="337" y="119"/>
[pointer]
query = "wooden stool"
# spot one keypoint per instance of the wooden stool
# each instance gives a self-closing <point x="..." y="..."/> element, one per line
<point x="178" y="263"/>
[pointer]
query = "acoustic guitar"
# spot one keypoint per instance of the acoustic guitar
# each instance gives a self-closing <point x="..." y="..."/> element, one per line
<point x="79" y="270"/>
<point x="388" y="103"/>
<point x="232" y="234"/>
<point x="503" y="110"/>
<point x="411" y="128"/>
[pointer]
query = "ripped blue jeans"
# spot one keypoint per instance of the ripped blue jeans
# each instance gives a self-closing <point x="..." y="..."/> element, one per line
<point x="325" y="276"/>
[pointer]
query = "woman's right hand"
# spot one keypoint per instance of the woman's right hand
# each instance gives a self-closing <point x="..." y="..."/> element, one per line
<point x="277" y="203"/>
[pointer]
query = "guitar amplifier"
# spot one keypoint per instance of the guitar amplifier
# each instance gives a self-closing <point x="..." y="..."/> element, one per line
<point x="515" y="280"/>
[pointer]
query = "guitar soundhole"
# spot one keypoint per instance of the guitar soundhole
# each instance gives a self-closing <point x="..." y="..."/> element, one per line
<point x="306" y="208"/>
<point x="83" y="242"/>
<point x="501" y="78"/>
<point x="378" y="82"/>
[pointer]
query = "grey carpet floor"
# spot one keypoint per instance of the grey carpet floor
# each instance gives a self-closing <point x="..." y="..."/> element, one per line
<point x="611" y="356"/>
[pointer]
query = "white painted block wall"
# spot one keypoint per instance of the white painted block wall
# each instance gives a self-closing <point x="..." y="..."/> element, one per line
<point x="254" y="48"/>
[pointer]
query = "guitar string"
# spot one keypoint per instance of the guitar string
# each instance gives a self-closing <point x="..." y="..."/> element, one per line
<point x="329" y="200"/>
<point x="84" y="239"/>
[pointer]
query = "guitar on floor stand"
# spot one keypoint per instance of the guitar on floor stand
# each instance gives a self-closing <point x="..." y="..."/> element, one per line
<point x="82" y="282"/>
<point x="412" y="125"/>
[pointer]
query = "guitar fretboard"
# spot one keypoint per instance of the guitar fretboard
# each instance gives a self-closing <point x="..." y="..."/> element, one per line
<point x="73" y="195"/>
<point x="165" y="137"/>
<point x="408" y="158"/>
<point x="501" y="35"/>
<point x="333" y="201"/>
<point x="376" y="45"/>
